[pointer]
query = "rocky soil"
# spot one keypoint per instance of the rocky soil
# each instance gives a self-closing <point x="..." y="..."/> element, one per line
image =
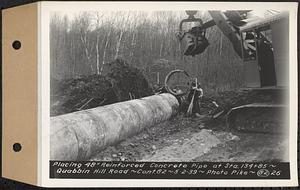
<point x="194" y="139"/>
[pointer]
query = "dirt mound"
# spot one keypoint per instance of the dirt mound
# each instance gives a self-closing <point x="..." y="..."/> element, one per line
<point x="120" y="82"/>
<point x="230" y="99"/>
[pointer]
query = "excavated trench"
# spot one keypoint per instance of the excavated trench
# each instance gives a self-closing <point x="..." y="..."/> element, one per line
<point x="180" y="138"/>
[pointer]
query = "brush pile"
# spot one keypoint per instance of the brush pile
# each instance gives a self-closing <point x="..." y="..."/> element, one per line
<point x="120" y="82"/>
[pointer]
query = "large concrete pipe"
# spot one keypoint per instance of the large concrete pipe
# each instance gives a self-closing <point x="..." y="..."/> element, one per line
<point x="78" y="135"/>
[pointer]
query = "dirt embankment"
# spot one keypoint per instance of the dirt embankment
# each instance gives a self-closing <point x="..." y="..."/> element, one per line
<point x="229" y="99"/>
<point x="120" y="82"/>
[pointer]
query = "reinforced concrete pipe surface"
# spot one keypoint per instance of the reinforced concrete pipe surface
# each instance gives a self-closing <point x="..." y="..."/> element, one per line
<point x="79" y="135"/>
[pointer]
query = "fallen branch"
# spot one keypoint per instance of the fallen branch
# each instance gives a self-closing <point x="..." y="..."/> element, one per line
<point x="85" y="104"/>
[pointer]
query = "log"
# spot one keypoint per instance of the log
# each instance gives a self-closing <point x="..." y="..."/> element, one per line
<point x="79" y="135"/>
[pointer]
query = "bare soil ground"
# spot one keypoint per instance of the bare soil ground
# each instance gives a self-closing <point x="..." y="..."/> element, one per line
<point x="192" y="139"/>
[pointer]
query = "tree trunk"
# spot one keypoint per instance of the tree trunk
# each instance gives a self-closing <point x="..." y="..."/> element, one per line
<point x="221" y="39"/>
<point x="84" y="42"/>
<point x="104" y="52"/>
<point x="119" y="45"/>
<point x="133" y="44"/>
<point x="97" y="55"/>
<point x="161" y="48"/>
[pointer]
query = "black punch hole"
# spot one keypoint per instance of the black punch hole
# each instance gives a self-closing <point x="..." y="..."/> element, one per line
<point x="17" y="147"/>
<point x="16" y="44"/>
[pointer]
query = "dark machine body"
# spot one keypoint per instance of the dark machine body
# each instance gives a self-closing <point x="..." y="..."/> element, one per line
<point x="263" y="45"/>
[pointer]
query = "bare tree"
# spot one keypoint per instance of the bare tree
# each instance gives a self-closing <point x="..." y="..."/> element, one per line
<point x="83" y="45"/>
<point x="98" y="32"/>
<point x="84" y="28"/>
<point x="122" y="25"/>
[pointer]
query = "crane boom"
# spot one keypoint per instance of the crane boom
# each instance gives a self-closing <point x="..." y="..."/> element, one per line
<point x="228" y="30"/>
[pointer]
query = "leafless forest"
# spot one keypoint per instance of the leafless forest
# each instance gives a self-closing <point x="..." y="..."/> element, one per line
<point x="82" y="43"/>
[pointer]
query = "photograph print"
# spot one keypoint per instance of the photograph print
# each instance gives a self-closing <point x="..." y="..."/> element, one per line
<point x="169" y="85"/>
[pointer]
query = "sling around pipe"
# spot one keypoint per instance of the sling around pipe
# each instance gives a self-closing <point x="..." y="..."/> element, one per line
<point x="79" y="135"/>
